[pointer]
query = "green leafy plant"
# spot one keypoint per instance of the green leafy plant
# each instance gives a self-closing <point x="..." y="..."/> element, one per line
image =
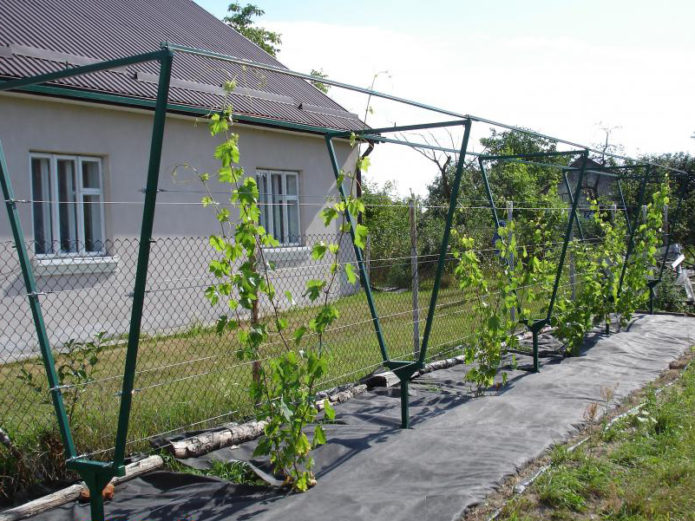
<point x="574" y="316"/>
<point x="642" y="261"/>
<point x="599" y="266"/>
<point x="669" y="295"/>
<point x="76" y="365"/>
<point x="283" y="388"/>
<point x="492" y="308"/>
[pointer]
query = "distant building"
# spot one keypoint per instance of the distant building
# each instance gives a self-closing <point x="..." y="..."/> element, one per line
<point x="595" y="184"/>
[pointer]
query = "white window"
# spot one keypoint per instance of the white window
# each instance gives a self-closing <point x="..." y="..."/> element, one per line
<point x="279" y="203"/>
<point x="68" y="213"/>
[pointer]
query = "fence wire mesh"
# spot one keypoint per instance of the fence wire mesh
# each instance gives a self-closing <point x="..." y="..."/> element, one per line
<point x="189" y="377"/>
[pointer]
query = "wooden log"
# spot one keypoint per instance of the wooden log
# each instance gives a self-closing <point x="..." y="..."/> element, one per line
<point x="234" y="434"/>
<point x="209" y="441"/>
<point x="385" y="379"/>
<point x="72" y="493"/>
<point x="442" y="364"/>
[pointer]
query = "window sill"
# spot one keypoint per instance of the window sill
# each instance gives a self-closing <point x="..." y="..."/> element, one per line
<point x="286" y="253"/>
<point x="51" y="266"/>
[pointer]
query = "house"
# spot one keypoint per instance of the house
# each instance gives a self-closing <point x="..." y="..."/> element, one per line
<point x="78" y="156"/>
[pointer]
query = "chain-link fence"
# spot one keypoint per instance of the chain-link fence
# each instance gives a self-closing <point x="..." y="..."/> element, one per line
<point x="188" y="376"/>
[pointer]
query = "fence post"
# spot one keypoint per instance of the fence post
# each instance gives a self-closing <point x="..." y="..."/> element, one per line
<point x="573" y="268"/>
<point x="510" y="217"/>
<point x="614" y="209"/>
<point x="368" y="256"/>
<point x="415" y="280"/>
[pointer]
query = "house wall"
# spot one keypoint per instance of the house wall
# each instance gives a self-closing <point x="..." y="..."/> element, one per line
<point x="78" y="305"/>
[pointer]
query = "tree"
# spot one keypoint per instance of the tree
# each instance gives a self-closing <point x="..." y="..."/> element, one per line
<point x="683" y="225"/>
<point x="386" y="217"/>
<point x="318" y="73"/>
<point x="534" y="185"/>
<point x="241" y="20"/>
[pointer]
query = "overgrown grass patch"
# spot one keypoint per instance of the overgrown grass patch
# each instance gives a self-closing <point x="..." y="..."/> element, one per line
<point x="236" y="472"/>
<point x="640" y="468"/>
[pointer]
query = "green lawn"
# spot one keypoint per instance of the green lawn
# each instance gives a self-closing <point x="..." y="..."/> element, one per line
<point x="190" y="377"/>
<point x="194" y="379"/>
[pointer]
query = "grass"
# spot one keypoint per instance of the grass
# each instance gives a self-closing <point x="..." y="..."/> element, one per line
<point x="187" y="377"/>
<point x="193" y="379"/>
<point x="640" y="468"/>
<point x="236" y="472"/>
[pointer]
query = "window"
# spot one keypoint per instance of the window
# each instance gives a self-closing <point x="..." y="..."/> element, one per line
<point x="68" y="213"/>
<point x="279" y="203"/>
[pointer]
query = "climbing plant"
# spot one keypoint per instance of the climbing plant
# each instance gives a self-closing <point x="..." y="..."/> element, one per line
<point x="284" y="388"/>
<point x="574" y="314"/>
<point x="642" y="262"/>
<point x="598" y="295"/>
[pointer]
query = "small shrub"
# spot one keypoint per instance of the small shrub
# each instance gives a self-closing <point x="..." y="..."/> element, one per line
<point x="669" y="296"/>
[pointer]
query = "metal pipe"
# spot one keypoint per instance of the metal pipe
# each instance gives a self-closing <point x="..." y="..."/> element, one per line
<point x="84" y="69"/>
<point x="35" y="306"/>
<point x="568" y="234"/>
<point x="631" y="240"/>
<point x="143" y="256"/>
<point x="364" y="276"/>
<point x="488" y="192"/>
<point x="445" y="239"/>
<point x="571" y="198"/>
<point x="412" y="144"/>
<point x="622" y="199"/>
<point x="371" y="92"/>
<point x="487" y="157"/>
<point x="309" y="77"/>
<point x="401" y="128"/>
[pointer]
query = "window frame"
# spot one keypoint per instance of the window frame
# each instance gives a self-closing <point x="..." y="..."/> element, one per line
<point x="267" y="221"/>
<point x="80" y="192"/>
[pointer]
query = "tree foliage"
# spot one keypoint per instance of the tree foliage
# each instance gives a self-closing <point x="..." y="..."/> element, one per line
<point x="241" y="19"/>
<point x="318" y="73"/>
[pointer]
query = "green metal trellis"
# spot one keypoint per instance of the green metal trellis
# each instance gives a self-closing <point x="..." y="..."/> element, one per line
<point x="535" y="326"/>
<point x="404" y="369"/>
<point x="97" y="473"/>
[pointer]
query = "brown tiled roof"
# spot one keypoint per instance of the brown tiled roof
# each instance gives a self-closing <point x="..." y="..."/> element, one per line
<point x="39" y="36"/>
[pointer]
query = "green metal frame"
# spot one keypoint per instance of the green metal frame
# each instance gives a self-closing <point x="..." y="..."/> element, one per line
<point x="97" y="473"/>
<point x="404" y="369"/>
<point x="631" y="234"/>
<point x="570" y="195"/>
<point x="535" y="326"/>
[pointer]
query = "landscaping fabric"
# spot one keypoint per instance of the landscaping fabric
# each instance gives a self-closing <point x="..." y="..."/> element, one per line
<point x="458" y="450"/>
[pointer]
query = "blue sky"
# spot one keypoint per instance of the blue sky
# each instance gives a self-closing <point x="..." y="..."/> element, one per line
<point x="565" y="68"/>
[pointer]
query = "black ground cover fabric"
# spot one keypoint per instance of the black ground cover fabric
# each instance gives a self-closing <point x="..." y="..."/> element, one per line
<point x="459" y="448"/>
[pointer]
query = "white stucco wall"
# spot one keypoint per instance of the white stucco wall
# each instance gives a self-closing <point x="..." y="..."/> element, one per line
<point x="77" y="306"/>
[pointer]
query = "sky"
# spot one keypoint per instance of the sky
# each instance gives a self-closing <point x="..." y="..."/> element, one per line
<point x="566" y="68"/>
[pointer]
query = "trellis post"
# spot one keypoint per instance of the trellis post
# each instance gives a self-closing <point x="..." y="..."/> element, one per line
<point x="415" y="279"/>
<point x="633" y="228"/>
<point x="364" y="276"/>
